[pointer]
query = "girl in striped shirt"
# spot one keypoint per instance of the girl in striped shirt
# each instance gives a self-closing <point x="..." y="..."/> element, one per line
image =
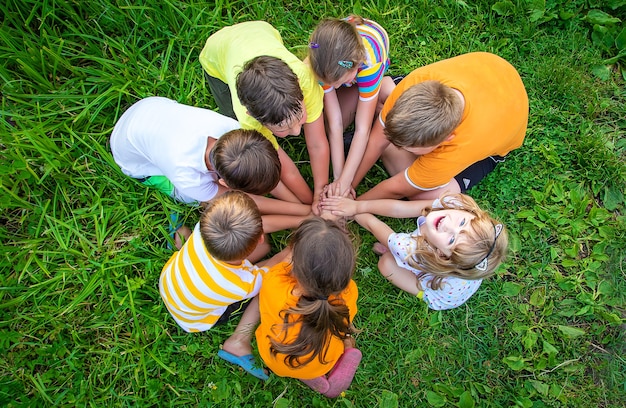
<point x="343" y="53"/>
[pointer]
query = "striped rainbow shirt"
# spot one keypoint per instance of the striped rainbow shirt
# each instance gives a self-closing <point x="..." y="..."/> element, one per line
<point x="370" y="74"/>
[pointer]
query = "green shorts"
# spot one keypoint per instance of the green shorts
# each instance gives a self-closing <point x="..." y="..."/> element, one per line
<point x="161" y="183"/>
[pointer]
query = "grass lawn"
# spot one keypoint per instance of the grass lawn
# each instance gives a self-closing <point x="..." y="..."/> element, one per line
<point x="82" y="245"/>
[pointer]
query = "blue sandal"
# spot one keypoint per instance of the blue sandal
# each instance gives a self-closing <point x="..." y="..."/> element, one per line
<point x="175" y="223"/>
<point x="247" y="362"/>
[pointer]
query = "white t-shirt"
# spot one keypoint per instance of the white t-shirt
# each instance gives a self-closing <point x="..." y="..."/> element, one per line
<point x="161" y="137"/>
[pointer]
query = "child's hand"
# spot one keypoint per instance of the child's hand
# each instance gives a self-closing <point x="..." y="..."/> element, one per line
<point x="341" y="206"/>
<point x="327" y="215"/>
<point x="335" y="190"/>
<point x="349" y="342"/>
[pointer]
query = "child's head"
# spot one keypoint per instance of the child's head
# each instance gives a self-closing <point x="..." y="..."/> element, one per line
<point x="231" y="226"/>
<point x="424" y="115"/>
<point x="246" y="161"/>
<point x="323" y="261"/>
<point x="323" y="257"/>
<point x="459" y="240"/>
<point x="271" y="93"/>
<point x="336" y="50"/>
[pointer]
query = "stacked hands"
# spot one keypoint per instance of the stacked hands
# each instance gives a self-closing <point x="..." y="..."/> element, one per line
<point x="336" y="202"/>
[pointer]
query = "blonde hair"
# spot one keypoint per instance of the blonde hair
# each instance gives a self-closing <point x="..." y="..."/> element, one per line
<point x="231" y="226"/>
<point x="336" y="48"/>
<point x="485" y="240"/>
<point x="246" y="161"/>
<point x="424" y="115"/>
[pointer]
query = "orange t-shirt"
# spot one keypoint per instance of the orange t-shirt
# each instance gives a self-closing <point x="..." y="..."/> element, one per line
<point x="494" y="118"/>
<point x="274" y="297"/>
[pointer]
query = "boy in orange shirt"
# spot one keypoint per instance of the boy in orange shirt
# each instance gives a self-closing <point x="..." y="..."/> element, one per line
<point x="446" y="126"/>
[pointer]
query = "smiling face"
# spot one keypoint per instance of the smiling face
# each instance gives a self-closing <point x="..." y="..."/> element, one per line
<point x="444" y="229"/>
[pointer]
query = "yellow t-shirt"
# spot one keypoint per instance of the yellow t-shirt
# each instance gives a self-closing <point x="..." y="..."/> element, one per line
<point x="226" y="52"/>
<point x="494" y="119"/>
<point x="274" y="297"/>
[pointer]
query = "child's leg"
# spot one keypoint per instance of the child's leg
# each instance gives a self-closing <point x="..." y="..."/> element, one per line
<point x="348" y="98"/>
<point x="240" y="342"/>
<point x="385" y="89"/>
<point x="397" y="160"/>
<point x="400" y="277"/>
<point x="237" y="349"/>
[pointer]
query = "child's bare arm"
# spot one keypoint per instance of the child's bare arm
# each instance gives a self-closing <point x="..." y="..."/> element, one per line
<point x="362" y="125"/>
<point x="293" y="180"/>
<point x="332" y="112"/>
<point x="386" y="207"/>
<point x="376" y="144"/>
<point x="274" y="222"/>
<point x="400" y="277"/>
<point x="319" y="154"/>
<point x="272" y="206"/>
<point x="379" y="229"/>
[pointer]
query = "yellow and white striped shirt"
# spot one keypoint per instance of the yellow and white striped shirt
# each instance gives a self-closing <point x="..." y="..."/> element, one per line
<point x="197" y="288"/>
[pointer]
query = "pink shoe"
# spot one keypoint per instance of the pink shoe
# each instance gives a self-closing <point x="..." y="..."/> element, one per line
<point x="319" y="384"/>
<point x="342" y="374"/>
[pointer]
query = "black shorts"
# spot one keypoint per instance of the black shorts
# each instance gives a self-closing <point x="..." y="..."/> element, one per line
<point x="472" y="175"/>
<point x="221" y="95"/>
<point x="236" y="308"/>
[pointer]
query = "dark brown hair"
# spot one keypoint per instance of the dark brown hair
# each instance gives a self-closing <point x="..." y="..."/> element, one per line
<point x="270" y="91"/>
<point x="246" y="161"/>
<point x="231" y="226"/>
<point x="323" y="261"/>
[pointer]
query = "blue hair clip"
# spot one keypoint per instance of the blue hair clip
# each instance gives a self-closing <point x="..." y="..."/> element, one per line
<point x="313" y="45"/>
<point x="345" y="64"/>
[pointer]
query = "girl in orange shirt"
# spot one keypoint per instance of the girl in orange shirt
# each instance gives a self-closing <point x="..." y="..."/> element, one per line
<point x="307" y="307"/>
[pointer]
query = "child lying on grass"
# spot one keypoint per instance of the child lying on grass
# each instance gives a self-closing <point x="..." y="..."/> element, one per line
<point x="443" y="262"/>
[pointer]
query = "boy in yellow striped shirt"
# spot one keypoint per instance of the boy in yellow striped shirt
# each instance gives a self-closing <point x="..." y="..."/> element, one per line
<point x="213" y="273"/>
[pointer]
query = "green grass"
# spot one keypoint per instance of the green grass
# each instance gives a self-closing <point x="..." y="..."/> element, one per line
<point x="82" y="246"/>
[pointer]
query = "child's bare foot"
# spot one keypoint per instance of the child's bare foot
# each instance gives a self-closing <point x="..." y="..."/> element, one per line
<point x="181" y="236"/>
<point x="379" y="248"/>
<point x="236" y="346"/>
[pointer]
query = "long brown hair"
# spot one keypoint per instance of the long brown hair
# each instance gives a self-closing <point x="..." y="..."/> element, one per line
<point x="323" y="261"/>
<point x="332" y="41"/>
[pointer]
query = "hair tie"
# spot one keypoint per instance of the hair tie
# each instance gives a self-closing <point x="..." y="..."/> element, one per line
<point x="323" y="298"/>
<point x="345" y="64"/>
<point x="313" y="45"/>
